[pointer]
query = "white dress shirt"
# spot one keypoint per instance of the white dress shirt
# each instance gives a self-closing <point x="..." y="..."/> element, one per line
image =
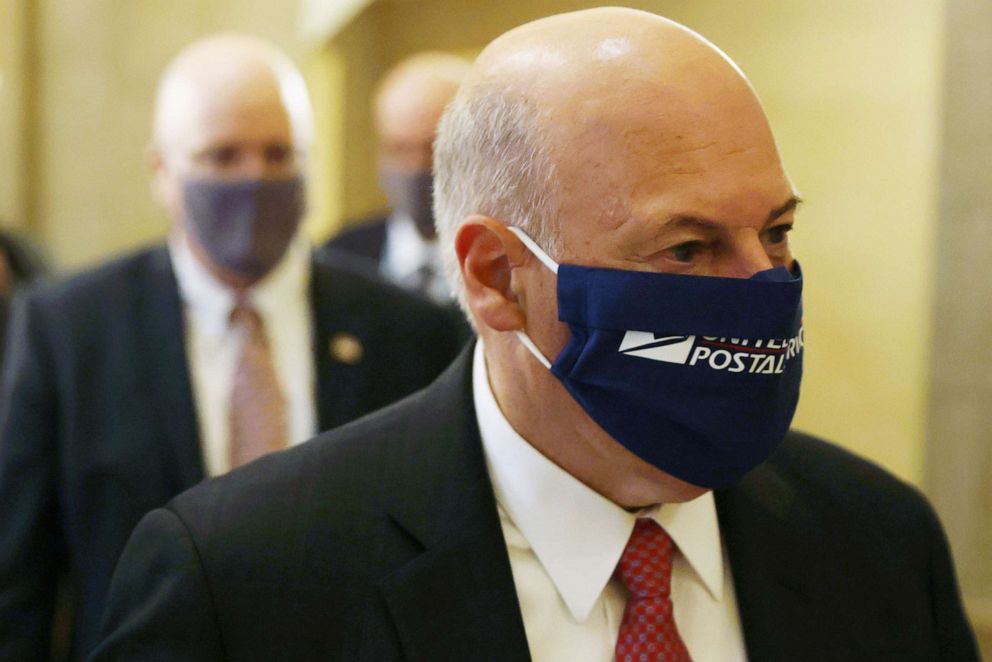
<point x="565" y="540"/>
<point x="406" y="253"/>
<point x="212" y="348"/>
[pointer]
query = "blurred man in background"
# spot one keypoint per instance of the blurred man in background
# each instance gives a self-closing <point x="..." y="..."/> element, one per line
<point x="129" y="383"/>
<point x="402" y="244"/>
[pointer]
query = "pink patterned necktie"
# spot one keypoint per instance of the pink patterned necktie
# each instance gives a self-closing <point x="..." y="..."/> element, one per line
<point x="648" y="632"/>
<point x="258" y="409"/>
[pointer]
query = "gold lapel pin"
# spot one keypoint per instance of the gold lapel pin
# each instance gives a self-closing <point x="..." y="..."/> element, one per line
<point x="346" y="348"/>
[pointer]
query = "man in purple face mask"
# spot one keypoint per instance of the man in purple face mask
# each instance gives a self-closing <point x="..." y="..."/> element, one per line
<point x="134" y="381"/>
<point x="231" y="139"/>
<point x="402" y="244"/>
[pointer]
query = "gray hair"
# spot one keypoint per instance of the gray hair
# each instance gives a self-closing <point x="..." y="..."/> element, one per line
<point x="490" y="159"/>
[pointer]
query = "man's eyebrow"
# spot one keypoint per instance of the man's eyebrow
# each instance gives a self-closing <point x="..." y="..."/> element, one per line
<point x="689" y="221"/>
<point x="790" y="204"/>
<point x="699" y="222"/>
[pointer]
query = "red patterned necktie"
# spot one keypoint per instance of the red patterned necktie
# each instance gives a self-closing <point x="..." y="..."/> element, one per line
<point x="258" y="409"/>
<point x="648" y="632"/>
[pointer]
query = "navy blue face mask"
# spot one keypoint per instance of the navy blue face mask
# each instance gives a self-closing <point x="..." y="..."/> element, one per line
<point x="696" y="375"/>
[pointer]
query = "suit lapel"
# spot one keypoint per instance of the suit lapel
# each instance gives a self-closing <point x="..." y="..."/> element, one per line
<point x="456" y="600"/>
<point x="164" y="351"/>
<point x="781" y="584"/>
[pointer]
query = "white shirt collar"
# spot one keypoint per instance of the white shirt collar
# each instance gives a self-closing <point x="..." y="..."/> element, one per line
<point x="406" y="250"/>
<point x="212" y="301"/>
<point x="577" y="534"/>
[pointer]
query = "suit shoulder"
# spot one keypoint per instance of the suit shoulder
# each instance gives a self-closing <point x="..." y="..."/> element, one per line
<point x="360" y="232"/>
<point x="104" y="282"/>
<point x="836" y="479"/>
<point x="344" y="276"/>
<point x="336" y="471"/>
<point x="817" y="459"/>
<point x="364" y="239"/>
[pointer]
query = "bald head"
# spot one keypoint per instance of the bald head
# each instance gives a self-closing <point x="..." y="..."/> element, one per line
<point x="617" y="71"/>
<point x="413" y="94"/>
<point x="229" y="74"/>
<point x="583" y="47"/>
<point x="614" y="85"/>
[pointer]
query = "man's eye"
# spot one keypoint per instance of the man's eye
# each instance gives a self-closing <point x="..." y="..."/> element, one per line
<point x="685" y="252"/>
<point x="779" y="234"/>
<point x="223" y="156"/>
<point x="278" y="154"/>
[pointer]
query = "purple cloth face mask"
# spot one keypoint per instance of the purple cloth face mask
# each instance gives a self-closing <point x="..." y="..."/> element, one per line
<point x="411" y="193"/>
<point x="244" y="225"/>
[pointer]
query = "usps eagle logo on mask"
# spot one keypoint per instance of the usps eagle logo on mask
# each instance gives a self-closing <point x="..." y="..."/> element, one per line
<point x="756" y="357"/>
<point x="670" y="349"/>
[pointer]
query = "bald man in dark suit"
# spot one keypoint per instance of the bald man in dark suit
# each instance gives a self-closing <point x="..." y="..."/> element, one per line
<point x="137" y="379"/>
<point x="608" y="472"/>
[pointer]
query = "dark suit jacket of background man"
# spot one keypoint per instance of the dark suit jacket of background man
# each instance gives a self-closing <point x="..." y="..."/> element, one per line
<point x="98" y="422"/>
<point x="381" y="541"/>
<point x="365" y="239"/>
<point x="26" y="265"/>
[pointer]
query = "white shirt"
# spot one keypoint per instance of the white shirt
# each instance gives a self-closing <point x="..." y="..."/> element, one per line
<point x="212" y="348"/>
<point x="564" y="542"/>
<point x="406" y="252"/>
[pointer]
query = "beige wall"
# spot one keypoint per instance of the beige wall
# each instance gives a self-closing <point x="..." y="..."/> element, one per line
<point x="959" y="459"/>
<point x="14" y="107"/>
<point x="852" y="89"/>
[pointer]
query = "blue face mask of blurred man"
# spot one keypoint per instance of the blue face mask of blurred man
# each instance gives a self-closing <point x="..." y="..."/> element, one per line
<point x="696" y="375"/>
<point x="244" y="225"/>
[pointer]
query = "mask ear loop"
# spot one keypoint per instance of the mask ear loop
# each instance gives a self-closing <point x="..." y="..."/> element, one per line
<point x="535" y="249"/>
<point x="529" y="344"/>
<point x="550" y="264"/>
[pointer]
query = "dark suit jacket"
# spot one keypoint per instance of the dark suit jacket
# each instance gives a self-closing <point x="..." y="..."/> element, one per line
<point x="381" y="541"/>
<point x="365" y="239"/>
<point x="26" y="265"/>
<point x="4" y="314"/>
<point x="97" y="419"/>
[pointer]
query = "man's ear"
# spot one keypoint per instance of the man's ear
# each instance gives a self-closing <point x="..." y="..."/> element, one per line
<point x="156" y="167"/>
<point x="488" y="253"/>
<point x="162" y="184"/>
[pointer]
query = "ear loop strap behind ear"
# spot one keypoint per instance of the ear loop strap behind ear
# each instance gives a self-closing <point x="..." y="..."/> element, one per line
<point x="550" y="264"/>
<point x="535" y="249"/>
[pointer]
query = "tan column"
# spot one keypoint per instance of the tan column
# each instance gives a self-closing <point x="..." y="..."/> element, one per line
<point x="959" y="440"/>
